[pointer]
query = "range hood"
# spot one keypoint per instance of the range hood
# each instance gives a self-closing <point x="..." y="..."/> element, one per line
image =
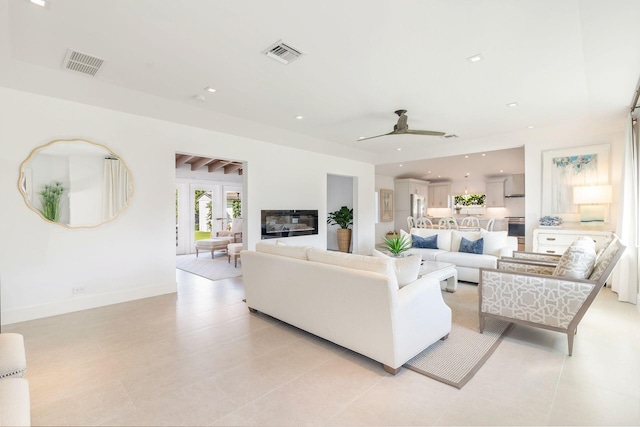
<point x="514" y="186"/>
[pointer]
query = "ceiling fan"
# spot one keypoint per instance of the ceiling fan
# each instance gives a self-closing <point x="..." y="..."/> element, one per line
<point x="402" y="128"/>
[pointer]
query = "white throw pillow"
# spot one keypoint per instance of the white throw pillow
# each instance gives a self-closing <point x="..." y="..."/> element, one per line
<point x="299" y="252"/>
<point x="406" y="268"/>
<point x="456" y="238"/>
<point x="494" y="241"/>
<point x="358" y="262"/>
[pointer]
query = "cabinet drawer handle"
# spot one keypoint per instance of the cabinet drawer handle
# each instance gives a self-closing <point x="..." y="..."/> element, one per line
<point x="551" y="252"/>
<point x="551" y="238"/>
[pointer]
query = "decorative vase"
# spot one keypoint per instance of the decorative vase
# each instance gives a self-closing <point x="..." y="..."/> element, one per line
<point x="344" y="239"/>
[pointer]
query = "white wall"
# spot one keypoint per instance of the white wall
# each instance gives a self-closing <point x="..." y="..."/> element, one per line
<point x="134" y="256"/>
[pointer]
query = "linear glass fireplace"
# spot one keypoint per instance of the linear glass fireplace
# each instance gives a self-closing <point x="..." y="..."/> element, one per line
<point x="288" y="223"/>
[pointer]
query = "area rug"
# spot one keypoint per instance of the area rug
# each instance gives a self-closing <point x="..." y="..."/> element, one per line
<point x="215" y="269"/>
<point x="455" y="360"/>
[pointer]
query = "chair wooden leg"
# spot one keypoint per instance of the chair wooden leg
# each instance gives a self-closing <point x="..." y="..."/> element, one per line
<point x="253" y="310"/>
<point x="570" y="335"/>
<point x="228" y="258"/>
<point x="196" y="252"/>
<point x="389" y="369"/>
<point x="481" y="323"/>
<point x="444" y="337"/>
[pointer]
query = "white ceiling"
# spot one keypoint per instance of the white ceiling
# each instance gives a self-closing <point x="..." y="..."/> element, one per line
<point x="563" y="61"/>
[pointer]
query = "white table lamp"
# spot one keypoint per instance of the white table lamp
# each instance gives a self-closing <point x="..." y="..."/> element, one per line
<point x="592" y="200"/>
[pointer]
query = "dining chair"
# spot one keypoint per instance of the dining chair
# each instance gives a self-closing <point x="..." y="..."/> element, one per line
<point x="411" y="222"/>
<point x="470" y="221"/>
<point x="490" y="224"/>
<point x="448" y="223"/>
<point x="423" y="222"/>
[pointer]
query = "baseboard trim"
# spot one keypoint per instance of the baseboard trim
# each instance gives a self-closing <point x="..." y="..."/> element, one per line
<point x="84" y="303"/>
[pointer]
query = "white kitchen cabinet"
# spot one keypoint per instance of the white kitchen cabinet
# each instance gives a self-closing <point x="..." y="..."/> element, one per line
<point x="557" y="240"/>
<point x="494" y="193"/>
<point x="439" y="195"/>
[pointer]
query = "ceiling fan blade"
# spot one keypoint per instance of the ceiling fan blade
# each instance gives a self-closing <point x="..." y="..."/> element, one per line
<point x="378" y="136"/>
<point x="425" y="132"/>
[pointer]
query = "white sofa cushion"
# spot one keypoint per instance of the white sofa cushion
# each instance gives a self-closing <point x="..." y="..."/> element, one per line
<point x="463" y="259"/>
<point x="357" y="262"/>
<point x="299" y="252"/>
<point x="494" y="241"/>
<point x="456" y="238"/>
<point x="444" y="236"/>
<point x="406" y="268"/>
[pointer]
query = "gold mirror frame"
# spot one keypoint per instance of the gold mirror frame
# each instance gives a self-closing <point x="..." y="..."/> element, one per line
<point x="78" y="148"/>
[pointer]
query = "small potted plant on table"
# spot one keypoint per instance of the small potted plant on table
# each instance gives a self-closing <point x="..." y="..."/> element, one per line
<point x="396" y="245"/>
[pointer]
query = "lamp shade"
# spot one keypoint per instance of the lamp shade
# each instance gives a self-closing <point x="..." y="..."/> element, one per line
<point x="592" y="194"/>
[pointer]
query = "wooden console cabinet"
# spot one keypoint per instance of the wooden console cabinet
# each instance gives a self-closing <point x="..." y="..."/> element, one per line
<point x="557" y="240"/>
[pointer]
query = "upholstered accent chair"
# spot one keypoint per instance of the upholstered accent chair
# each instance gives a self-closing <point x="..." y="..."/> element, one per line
<point x="222" y="239"/>
<point x="552" y="293"/>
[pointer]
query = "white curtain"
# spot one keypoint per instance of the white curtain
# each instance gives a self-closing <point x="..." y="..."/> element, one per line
<point x="625" y="278"/>
<point x="116" y="187"/>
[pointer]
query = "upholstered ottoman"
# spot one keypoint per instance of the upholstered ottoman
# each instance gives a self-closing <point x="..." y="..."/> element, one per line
<point x="213" y="244"/>
<point x="233" y="251"/>
<point x="13" y="362"/>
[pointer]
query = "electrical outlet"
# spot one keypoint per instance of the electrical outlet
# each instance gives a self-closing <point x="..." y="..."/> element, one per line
<point x="78" y="290"/>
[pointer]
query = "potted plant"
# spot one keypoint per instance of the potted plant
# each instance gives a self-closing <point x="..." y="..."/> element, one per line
<point x="343" y="217"/>
<point x="396" y="244"/>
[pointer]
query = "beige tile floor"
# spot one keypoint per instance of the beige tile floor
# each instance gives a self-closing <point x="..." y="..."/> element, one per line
<point x="199" y="358"/>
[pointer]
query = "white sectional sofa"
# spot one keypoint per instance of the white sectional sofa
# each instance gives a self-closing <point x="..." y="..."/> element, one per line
<point x="352" y="300"/>
<point x="495" y="245"/>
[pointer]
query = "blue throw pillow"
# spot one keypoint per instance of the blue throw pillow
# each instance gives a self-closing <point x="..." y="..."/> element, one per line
<point x="471" y="247"/>
<point x="430" y="242"/>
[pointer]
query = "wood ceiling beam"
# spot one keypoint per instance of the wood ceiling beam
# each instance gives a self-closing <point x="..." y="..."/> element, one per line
<point x="217" y="165"/>
<point x="182" y="159"/>
<point x="232" y="167"/>
<point x="201" y="162"/>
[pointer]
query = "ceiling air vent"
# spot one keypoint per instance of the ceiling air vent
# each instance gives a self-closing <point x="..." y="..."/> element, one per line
<point x="82" y="63"/>
<point x="450" y="136"/>
<point x="282" y="52"/>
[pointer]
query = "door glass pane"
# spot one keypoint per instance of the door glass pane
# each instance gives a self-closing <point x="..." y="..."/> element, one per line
<point x="202" y="210"/>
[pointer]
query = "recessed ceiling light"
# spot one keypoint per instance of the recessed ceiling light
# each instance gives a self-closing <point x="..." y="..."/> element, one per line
<point x="401" y="165"/>
<point x="475" y="58"/>
<point x="200" y="98"/>
<point x="501" y="171"/>
<point x="398" y="149"/>
<point x="209" y="89"/>
<point x="484" y="154"/>
<point x="466" y="157"/>
<point x="512" y="104"/>
<point x="530" y="127"/>
<point x="428" y="171"/>
<point x="299" y="117"/>
<point x="41" y="3"/>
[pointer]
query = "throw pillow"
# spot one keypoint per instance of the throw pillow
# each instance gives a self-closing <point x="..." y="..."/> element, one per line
<point x="471" y="247"/>
<point x="494" y="242"/>
<point x="576" y="262"/>
<point x="430" y="242"/>
<point x="406" y="268"/>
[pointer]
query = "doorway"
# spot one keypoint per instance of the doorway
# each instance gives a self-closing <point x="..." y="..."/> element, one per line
<point x="340" y="192"/>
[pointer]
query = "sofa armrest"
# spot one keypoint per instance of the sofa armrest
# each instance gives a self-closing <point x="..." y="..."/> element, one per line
<point x="546" y="300"/>
<point x="536" y="256"/>
<point x="420" y="317"/>
<point x="525" y="266"/>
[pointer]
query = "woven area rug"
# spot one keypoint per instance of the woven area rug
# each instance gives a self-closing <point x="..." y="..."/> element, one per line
<point x="455" y="360"/>
<point x="215" y="269"/>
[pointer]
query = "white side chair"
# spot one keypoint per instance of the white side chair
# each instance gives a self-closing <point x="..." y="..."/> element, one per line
<point x="411" y="222"/>
<point x="470" y="221"/>
<point x="423" y="223"/>
<point x="235" y="232"/>
<point x="448" y="223"/>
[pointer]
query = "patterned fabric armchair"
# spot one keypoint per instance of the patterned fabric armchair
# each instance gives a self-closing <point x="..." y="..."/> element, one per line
<point x="541" y="294"/>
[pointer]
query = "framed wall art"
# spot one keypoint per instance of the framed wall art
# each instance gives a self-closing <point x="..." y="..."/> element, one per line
<point x="566" y="168"/>
<point x="386" y="205"/>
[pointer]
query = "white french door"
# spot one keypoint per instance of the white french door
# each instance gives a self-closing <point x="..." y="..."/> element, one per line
<point x="199" y="213"/>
